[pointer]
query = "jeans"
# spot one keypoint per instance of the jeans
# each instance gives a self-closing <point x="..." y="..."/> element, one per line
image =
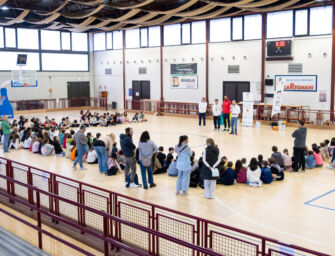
<point x="299" y="158"/>
<point x="226" y="120"/>
<point x="5" y="142"/>
<point x="144" y="170"/>
<point x="217" y="122"/>
<point x="209" y="188"/>
<point x="202" y="116"/>
<point x="130" y="165"/>
<point x="333" y="158"/>
<point x="102" y="158"/>
<point x="234" y="121"/>
<point x="81" y="150"/>
<point x="183" y="181"/>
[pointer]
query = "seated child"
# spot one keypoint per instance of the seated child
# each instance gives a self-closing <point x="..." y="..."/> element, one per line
<point x="57" y="147"/>
<point x="277" y="171"/>
<point x="244" y="162"/>
<point x="47" y="149"/>
<point x="92" y="157"/>
<point x="27" y="141"/>
<point x="142" y="118"/>
<point x="14" y="142"/>
<point x="61" y="136"/>
<point x="126" y="119"/>
<point x="287" y="159"/>
<point x="324" y="151"/>
<point x="254" y="174"/>
<point x="75" y="124"/>
<point x="135" y="118"/>
<point x="172" y="170"/>
<point x="277" y="156"/>
<point x="229" y="175"/>
<point x="260" y="161"/>
<point x="169" y="157"/>
<point x="318" y="157"/>
<point x="161" y="156"/>
<point x="310" y="160"/>
<point x="241" y="172"/>
<point x="266" y="174"/>
<point x="69" y="149"/>
<point x="114" y="148"/>
<point x="113" y="165"/>
<point x="120" y="160"/>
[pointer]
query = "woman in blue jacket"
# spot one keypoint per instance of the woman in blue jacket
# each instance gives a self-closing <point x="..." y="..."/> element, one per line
<point x="184" y="153"/>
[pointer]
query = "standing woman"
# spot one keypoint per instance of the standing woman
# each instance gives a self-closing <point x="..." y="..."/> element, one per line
<point x="146" y="149"/>
<point x="100" y="148"/>
<point x="6" y="133"/>
<point x="211" y="159"/>
<point x="184" y="153"/>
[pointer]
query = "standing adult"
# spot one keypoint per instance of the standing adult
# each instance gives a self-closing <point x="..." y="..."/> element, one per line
<point x="216" y="109"/>
<point x="202" y="111"/>
<point x="226" y="113"/>
<point x="184" y="167"/>
<point x="109" y="141"/>
<point x="100" y="148"/>
<point x="235" y="111"/>
<point x="300" y="135"/>
<point x="146" y="149"/>
<point x="128" y="149"/>
<point x="211" y="160"/>
<point x="6" y="133"/>
<point x="82" y="147"/>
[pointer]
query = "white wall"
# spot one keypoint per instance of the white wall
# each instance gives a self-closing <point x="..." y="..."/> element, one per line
<point x="184" y="54"/>
<point x="317" y="64"/>
<point x="57" y="81"/>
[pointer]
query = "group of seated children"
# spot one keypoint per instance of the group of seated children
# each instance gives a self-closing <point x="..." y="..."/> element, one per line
<point x="106" y="119"/>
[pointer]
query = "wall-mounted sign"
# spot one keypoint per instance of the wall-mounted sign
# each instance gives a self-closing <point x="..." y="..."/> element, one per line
<point x="297" y="83"/>
<point x="184" y="76"/>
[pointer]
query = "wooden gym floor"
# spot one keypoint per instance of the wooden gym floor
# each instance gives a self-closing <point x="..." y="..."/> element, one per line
<point x="298" y="210"/>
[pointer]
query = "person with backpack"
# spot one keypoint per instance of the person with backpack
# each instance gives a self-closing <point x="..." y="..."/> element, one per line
<point x="128" y="149"/>
<point x="209" y="172"/>
<point x="146" y="148"/>
<point x="100" y="148"/>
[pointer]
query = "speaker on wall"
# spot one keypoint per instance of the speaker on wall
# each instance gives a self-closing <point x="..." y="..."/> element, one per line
<point x="268" y="82"/>
<point x="142" y="70"/>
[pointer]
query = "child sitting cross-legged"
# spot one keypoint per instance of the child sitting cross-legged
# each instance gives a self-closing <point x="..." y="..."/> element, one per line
<point x="254" y="174"/>
<point x="241" y="172"/>
<point x="266" y="174"/>
<point x="318" y="157"/>
<point x="324" y="151"/>
<point x="277" y="171"/>
<point x="310" y="160"/>
<point x="287" y="159"/>
<point x="228" y="177"/>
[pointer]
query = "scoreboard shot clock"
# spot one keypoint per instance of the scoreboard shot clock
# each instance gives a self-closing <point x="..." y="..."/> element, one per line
<point x="277" y="49"/>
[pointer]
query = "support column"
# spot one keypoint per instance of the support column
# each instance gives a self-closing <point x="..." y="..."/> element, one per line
<point x="124" y="67"/>
<point x="207" y="59"/>
<point x="161" y="62"/>
<point x="263" y="56"/>
<point x="332" y="83"/>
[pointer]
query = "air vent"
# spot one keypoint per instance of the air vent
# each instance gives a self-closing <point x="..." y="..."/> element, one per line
<point x="108" y="71"/>
<point x="295" y="68"/>
<point x="233" y="69"/>
<point x="142" y="70"/>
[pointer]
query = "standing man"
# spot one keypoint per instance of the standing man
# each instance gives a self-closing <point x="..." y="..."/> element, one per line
<point x="226" y="113"/>
<point x="82" y="147"/>
<point x="202" y="111"/>
<point x="216" y="109"/>
<point x="128" y="149"/>
<point x="235" y="111"/>
<point x="299" y="146"/>
<point x="6" y="133"/>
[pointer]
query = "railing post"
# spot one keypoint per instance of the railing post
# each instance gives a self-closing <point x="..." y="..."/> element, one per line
<point x="106" y="236"/>
<point x="39" y="221"/>
<point x="153" y="227"/>
<point x="263" y="247"/>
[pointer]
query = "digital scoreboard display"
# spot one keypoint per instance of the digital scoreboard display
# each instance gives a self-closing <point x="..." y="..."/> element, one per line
<point x="282" y="48"/>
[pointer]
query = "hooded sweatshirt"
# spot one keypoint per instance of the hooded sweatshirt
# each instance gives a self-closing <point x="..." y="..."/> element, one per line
<point x="300" y="137"/>
<point x="184" y="154"/>
<point x="127" y="145"/>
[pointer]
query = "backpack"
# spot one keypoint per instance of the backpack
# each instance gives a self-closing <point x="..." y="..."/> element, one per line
<point x="73" y="153"/>
<point x="112" y="171"/>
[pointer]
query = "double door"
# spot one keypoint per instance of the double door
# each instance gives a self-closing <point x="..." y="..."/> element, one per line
<point x="234" y="90"/>
<point x="140" y="91"/>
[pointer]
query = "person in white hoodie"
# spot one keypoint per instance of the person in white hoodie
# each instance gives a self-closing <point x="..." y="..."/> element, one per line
<point x="254" y="174"/>
<point x="216" y="109"/>
<point x="235" y="110"/>
<point x="202" y="111"/>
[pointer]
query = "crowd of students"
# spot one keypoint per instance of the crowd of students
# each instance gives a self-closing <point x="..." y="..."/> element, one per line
<point x="60" y="139"/>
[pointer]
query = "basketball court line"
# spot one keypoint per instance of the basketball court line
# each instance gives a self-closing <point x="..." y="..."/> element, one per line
<point x="270" y="228"/>
<point x="318" y="197"/>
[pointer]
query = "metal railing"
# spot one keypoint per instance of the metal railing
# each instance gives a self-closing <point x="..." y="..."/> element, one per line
<point x="49" y="104"/>
<point x="126" y="223"/>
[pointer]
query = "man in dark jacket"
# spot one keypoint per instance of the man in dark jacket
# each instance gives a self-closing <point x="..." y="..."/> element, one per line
<point x="128" y="149"/>
<point x="299" y="146"/>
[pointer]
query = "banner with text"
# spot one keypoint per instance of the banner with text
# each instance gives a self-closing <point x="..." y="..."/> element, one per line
<point x="184" y="76"/>
<point x="297" y="83"/>
<point x="248" y="109"/>
<point x="278" y="95"/>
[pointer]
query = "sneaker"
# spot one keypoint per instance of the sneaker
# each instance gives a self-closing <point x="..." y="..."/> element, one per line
<point x="74" y="167"/>
<point x="133" y="185"/>
<point x="236" y="134"/>
<point x="293" y="171"/>
<point x="177" y="193"/>
<point x="153" y="185"/>
<point x="184" y="193"/>
<point x="145" y="187"/>
<point x="82" y="169"/>
<point x="231" y="133"/>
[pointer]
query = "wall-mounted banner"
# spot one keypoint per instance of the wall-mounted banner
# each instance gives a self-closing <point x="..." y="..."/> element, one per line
<point x="278" y="95"/>
<point x="296" y="83"/>
<point x="184" y="76"/>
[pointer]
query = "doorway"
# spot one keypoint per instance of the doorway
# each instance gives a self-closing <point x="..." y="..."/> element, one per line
<point x="140" y="91"/>
<point x="77" y="90"/>
<point x="234" y="90"/>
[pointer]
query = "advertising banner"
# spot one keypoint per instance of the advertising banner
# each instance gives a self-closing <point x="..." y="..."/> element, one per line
<point x="278" y="95"/>
<point x="297" y="83"/>
<point x="184" y="76"/>
<point x="248" y="109"/>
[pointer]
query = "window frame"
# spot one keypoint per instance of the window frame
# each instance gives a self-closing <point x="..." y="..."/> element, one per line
<point x="232" y="29"/>
<point x="147" y="29"/>
<point x="308" y="22"/>
<point x="181" y="33"/>
<point x="266" y="25"/>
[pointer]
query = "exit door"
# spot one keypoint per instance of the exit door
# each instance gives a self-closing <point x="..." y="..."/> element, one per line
<point x="77" y="90"/>
<point x="140" y="91"/>
<point x="234" y="90"/>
